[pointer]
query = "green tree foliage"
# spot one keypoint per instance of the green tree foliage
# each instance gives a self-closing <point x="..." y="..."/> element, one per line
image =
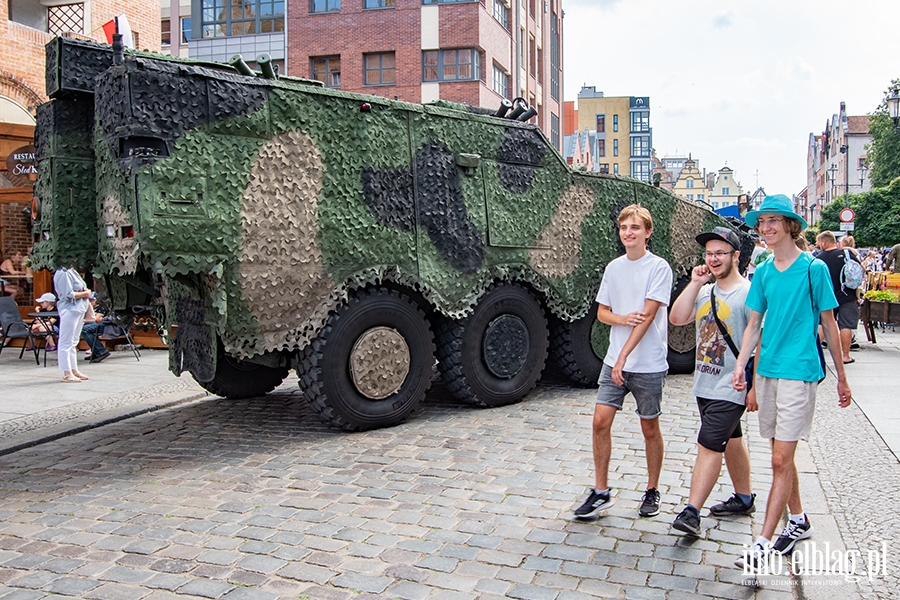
<point x="877" y="216"/>
<point x="883" y="154"/>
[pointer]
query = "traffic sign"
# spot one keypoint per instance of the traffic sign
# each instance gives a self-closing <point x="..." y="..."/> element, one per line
<point x="847" y="215"/>
<point x="848" y="226"/>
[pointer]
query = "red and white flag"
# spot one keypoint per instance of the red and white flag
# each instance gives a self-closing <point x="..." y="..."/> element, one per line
<point x="119" y="25"/>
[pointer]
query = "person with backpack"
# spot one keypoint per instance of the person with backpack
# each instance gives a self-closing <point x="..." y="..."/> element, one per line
<point x="847" y="276"/>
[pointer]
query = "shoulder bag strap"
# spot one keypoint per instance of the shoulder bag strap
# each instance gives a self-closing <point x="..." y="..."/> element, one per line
<point x="725" y="334"/>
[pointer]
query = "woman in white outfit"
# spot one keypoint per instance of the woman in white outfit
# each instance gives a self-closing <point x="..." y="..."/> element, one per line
<point x="73" y="301"/>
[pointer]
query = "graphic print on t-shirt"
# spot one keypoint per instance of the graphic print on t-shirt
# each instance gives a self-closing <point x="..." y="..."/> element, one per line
<point x="711" y="347"/>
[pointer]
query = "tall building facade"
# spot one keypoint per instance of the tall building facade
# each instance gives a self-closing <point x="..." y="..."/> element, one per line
<point x="691" y="182"/>
<point x="624" y="139"/>
<point x="219" y="29"/>
<point x="470" y="51"/>
<point x="176" y="27"/>
<point x="835" y="163"/>
<point x="725" y="190"/>
<point x="25" y="28"/>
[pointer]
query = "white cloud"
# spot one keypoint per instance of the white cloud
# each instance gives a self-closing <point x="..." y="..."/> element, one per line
<point x="723" y="20"/>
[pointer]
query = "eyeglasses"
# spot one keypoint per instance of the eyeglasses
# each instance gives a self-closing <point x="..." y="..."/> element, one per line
<point x="768" y="222"/>
<point x="719" y="255"/>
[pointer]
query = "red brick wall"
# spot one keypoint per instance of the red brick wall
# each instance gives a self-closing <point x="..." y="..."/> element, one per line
<point x="353" y="32"/>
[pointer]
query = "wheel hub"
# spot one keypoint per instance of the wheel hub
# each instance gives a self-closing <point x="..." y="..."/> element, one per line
<point x="379" y="362"/>
<point x="506" y="345"/>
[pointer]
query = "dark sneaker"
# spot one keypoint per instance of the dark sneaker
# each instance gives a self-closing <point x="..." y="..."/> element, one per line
<point x="688" y="521"/>
<point x="98" y="358"/>
<point x="754" y="558"/>
<point x="792" y="533"/>
<point x="650" y="504"/>
<point x="734" y="506"/>
<point x="595" y="503"/>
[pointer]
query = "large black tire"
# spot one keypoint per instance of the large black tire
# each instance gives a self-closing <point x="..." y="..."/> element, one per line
<point x="682" y="339"/>
<point x="578" y="347"/>
<point x="237" y="379"/>
<point x="495" y="356"/>
<point x="354" y="375"/>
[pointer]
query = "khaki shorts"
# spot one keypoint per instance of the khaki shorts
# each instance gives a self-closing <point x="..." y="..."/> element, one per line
<point x="786" y="408"/>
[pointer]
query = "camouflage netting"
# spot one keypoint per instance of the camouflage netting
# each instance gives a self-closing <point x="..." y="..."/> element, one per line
<point x="257" y="205"/>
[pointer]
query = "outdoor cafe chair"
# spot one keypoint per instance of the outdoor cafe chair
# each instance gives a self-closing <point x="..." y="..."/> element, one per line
<point x="14" y="328"/>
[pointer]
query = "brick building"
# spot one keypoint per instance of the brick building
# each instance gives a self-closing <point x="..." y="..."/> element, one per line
<point x="471" y="51"/>
<point x="25" y="28"/>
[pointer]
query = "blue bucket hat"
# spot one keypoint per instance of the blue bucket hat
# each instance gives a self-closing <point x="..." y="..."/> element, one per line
<point x="779" y="204"/>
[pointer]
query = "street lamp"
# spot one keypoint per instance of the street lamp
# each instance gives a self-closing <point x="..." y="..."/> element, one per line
<point x="863" y="169"/>
<point x="894" y="109"/>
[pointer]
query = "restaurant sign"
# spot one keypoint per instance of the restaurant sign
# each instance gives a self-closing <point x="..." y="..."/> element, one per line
<point x="21" y="167"/>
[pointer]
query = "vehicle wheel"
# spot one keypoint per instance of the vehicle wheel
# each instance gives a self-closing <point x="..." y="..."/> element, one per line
<point x="682" y="338"/>
<point x="578" y="347"/>
<point x="236" y="379"/>
<point x="495" y="356"/>
<point x="372" y="362"/>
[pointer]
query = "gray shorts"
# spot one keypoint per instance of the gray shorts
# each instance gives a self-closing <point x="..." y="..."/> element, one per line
<point x="847" y="315"/>
<point x="645" y="387"/>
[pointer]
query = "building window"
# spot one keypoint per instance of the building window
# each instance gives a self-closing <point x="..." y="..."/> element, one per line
<point x="320" y="6"/>
<point x="640" y="121"/>
<point x="520" y="42"/>
<point x="450" y="65"/>
<point x="615" y="122"/>
<point x="379" y="69"/>
<point x="640" y="146"/>
<point x="378" y="4"/>
<point x="65" y="18"/>
<point x="224" y="18"/>
<point x="531" y="7"/>
<point x="327" y="69"/>
<point x="601" y="148"/>
<point x="532" y="55"/>
<point x="554" y="57"/>
<point x="554" y="130"/>
<point x="615" y="147"/>
<point x="185" y="30"/>
<point x="540" y="66"/>
<point x="604" y="168"/>
<point x="501" y="82"/>
<point x="615" y="168"/>
<point x="601" y="123"/>
<point x="690" y="196"/>
<point x="703" y="197"/>
<point x="725" y="191"/>
<point x="165" y="32"/>
<point x="501" y="13"/>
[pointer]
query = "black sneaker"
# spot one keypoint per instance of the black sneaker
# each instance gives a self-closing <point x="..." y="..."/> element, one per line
<point x="596" y="502"/>
<point x="792" y="533"/>
<point x="98" y="358"/>
<point x="688" y="521"/>
<point x="734" y="506"/>
<point x="650" y="505"/>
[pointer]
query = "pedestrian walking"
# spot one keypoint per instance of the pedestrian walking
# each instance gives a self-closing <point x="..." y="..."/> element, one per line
<point x="72" y="294"/>
<point x="847" y="312"/>
<point x="719" y="310"/>
<point x="793" y="292"/>
<point x="633" y="294"/>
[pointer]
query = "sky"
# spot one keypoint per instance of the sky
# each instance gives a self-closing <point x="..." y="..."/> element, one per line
<point x="741" y="83"/>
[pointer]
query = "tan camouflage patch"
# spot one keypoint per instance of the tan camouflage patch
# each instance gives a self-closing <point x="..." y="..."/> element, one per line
<point x="124" y="250"/>
<point x="281" y="271"/>
<point x="687" y="221"/>
<point x="558" y="249"/>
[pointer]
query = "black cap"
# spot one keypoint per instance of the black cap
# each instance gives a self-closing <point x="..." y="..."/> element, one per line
<point x="722" y="234"/>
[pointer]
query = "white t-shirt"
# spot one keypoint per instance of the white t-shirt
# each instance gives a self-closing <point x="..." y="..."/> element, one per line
<point x="625" y="287"/>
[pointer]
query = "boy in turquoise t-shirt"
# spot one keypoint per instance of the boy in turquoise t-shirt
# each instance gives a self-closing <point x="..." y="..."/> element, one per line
<point x="794" y="292"/>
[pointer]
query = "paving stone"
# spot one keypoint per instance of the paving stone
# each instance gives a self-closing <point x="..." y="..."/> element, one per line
<point x="531" y="592"/>
<point x="117" y="591"/>
<point x="365" y="583"/>
<point x="305" y="572"/>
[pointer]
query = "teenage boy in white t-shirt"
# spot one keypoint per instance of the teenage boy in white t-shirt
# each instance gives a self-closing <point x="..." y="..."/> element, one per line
<point x="634" y="292"/>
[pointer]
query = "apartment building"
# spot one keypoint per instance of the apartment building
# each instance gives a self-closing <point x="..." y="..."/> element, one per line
<point x="624" y="139"/>
<point x="725" y="190"/>
<point x="219" y="29"/>
<point x="25" y="28"/>
<point x="835" y="163"/>
<point x="691" y="182"/>
<point x="176" y="28"/>
<point x="469" y="51"/>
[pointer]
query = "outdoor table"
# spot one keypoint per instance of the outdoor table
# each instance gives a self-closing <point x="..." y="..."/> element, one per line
<point x="45" y="319"/>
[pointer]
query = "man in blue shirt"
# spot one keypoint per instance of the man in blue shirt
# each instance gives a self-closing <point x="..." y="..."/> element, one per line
<point x="793" y="291"/>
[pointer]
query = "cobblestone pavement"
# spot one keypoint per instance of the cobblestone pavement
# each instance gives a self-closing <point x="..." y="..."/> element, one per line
<point x="255" y="499"/>
<point x="860" y="478"/>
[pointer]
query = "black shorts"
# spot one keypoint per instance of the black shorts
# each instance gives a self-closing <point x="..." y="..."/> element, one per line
<point x="720" y="421"/>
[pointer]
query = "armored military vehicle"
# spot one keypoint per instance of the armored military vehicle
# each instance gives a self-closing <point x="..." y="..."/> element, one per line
<point x="273" y="224"/>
